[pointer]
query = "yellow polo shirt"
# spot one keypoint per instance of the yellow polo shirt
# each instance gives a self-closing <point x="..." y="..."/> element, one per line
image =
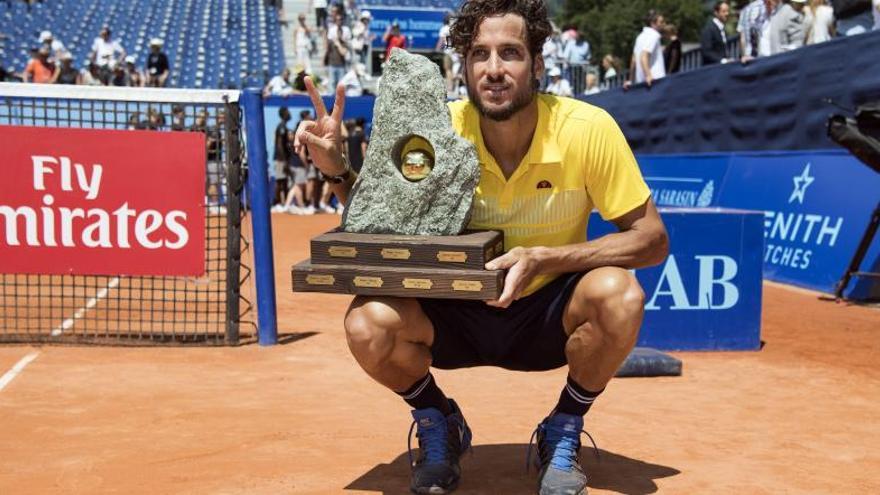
<point x="578" y="160"/>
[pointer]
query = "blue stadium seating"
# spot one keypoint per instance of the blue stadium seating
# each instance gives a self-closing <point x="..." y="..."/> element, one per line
<point x="209" y="43"/>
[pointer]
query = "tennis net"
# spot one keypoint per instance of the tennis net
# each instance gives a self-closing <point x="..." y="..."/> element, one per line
<point x="138" y="310"/>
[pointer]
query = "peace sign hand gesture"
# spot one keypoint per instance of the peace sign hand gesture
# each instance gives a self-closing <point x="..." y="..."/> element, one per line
<point x="323" y="136"/>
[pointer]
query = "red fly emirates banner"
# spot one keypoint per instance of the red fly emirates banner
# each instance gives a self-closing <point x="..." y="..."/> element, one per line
<point x="101" y="202"/>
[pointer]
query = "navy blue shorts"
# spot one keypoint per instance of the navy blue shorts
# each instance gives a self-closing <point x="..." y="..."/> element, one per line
<point x="527" y="336"/>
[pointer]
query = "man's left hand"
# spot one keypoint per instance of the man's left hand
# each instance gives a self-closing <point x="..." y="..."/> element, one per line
<point x="522" y="266"/>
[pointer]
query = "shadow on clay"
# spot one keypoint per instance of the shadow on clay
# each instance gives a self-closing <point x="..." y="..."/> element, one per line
<point x="290" y="338"/>
<point x="501" y="469"/>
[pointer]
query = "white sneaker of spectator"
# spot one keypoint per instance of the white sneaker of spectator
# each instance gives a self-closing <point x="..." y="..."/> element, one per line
<point x="278" y="209"/>
<point x="308" y="210"/>
<point x="325" y="208"/>
<point x="340" y="209"/>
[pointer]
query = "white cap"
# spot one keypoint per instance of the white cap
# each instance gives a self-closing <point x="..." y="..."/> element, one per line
<point x="129" y="59"/>
<point x="554" y="72"/>
<point x="66" y="56"/>
<point x="156" y="42"/>
<point x="45" y="35"/>
<point x="367" y="14"/>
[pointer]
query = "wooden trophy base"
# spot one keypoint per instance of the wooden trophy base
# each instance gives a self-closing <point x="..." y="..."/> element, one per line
<point x="443" y="267"/>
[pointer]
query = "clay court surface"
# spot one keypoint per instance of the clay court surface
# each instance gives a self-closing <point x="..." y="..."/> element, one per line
<point x="800" y="416"/>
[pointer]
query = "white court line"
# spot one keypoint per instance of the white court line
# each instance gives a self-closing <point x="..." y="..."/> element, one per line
<point x="66" y="324"/>
<point x="6" y="378"/>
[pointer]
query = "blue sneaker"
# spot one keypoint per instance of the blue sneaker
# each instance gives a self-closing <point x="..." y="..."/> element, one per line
<point x="442" y="440"/>
<point x="559" y="445"/>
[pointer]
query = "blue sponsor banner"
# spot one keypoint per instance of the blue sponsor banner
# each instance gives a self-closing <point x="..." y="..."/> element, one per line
<point x="707" y="294"/>
<point x="817" y="205"/>
<point x="420" y="26"/>
<point x="685" y="181"/>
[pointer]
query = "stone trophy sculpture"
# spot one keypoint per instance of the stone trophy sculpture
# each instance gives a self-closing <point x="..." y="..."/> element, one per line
<point x="403" y="230"/>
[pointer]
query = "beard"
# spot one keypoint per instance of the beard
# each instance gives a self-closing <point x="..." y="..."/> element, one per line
<point x="523" y="97"/>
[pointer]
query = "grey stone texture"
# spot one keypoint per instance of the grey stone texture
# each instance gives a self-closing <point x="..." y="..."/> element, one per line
<point x="412" y="101"/>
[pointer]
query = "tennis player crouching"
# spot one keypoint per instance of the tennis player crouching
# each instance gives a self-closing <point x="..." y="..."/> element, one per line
<point x="546" y="162"/>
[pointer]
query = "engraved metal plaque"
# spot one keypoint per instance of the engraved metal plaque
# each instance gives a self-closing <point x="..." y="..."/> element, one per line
<point x="418" y="283"/>
<point x="342" y="251"/>
<point x="395" y="254"/>
<point x="452" y="256"/>
<point x="467" y="285"/>
<point x="361" y="281"/>
<point x="320" y="279"/>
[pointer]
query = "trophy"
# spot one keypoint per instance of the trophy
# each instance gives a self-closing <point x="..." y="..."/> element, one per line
<point x="403" y="232"/>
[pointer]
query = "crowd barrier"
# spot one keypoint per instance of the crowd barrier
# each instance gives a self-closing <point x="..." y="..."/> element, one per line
<point x="771" y="103"/>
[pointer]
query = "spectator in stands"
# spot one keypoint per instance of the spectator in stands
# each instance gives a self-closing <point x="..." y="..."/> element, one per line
<point x="819" y="21"/>
<point x="56" y="47"/>
<point x="89" y="75"/>
<point x="611" y="66"/>
<point x="157" y="65"/>
<point x="356" y="143"/>
<point x="575" y="56"/>
<point x="876" y="11"/>
<point x="338" y="50"/>
<point x="672" y="50"/>
<point x="155" y="120"/>
<point x="591" y="83"/>
<point x="558" y="85"/>
<point x="647" y="64"/>
<point x="135" y="77"/>
<point x="303" y="172"/>
<point x="279" y="85"/>
<point x="351" y="9"/>
<point x="352" y="81"/>
<point x="853" y="16"/>
<point x="789" y="27"/>
<point x="361" y="38"/>
<point x="107" y="53"/>
<point x="281" y="157"/>
<point x="201" y="122"/>
<point x="299" y="80"/>
<point x="66" y="73"/>
<point x="451" y="60"/>
<point x="393" y="39"/>
<point x="119" y="77"/>
<point x="303" y="44"/>
<point x="713" y="39"/>
<point x="551" y="51"/>
<point x="215" y="172"/>
<point x="178" y="118"/>
<point x="134" y="122"/>
<point x="40" y="69"/>
<point x="320" y="7"/>
<point x="754" y="28"/>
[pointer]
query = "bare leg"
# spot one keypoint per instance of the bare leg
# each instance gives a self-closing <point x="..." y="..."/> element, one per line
<point x="390" y="338"/>
<point x="602" y="320"/>
<point x="295" y="193"/>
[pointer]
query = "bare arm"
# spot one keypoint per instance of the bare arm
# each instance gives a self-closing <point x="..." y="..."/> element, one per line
<point x="644" y="59"/>
<point x="640" y="242"/>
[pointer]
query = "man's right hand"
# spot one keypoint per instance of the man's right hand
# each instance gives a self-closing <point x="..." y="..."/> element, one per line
<point x="323" y="136"/>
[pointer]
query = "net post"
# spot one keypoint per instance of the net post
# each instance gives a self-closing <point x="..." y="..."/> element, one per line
<point x="258" y="185"/>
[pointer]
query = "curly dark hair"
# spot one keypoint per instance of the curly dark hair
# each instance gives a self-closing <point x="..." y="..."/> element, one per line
<point x="466" y="23"/>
